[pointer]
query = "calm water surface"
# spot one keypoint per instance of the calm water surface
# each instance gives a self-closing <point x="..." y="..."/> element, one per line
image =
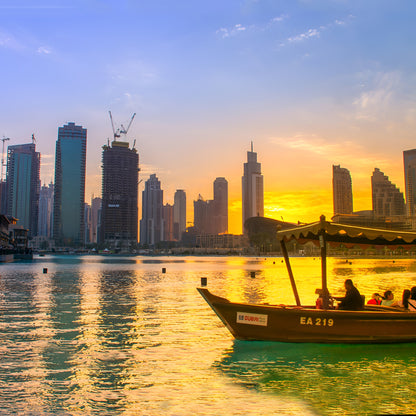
<point x="110" y="335"/>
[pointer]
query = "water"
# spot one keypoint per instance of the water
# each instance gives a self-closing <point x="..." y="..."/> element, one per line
<point x="111" y="335"/>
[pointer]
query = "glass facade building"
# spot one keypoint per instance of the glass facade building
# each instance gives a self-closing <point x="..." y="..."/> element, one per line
<point x="23" y="185"/>
<point x="70" y="159"/>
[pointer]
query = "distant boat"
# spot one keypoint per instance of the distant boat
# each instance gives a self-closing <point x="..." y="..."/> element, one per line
<point x="302" y="323"/>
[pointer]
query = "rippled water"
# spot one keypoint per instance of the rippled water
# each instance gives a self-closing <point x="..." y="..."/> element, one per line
<point x="111" y="335"/>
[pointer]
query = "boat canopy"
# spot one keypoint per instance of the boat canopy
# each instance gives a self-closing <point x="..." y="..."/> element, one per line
<point x="348" y="235"/>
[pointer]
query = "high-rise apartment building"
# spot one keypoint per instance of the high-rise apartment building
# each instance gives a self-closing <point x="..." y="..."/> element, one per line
<point x="252" y="188"/>
<point x="69" y="197"/>
<point x="45" y="211"/>
<point x="119" y="212"/>
<point x="87" y="223"/>
<point x="211" y="216"/>
<point x="203" y="218"/>
<point x="220" y="213"/>
<point x="388" y="201"/>
<point x="179" y="214"/>
<point x="95" y="218"/>
<point x="409" y="163"/>
<point x="151" y="224"/>
<point x="168" y="222"/>
<point x="23" y="185"/>
<point x="341" y="190"/>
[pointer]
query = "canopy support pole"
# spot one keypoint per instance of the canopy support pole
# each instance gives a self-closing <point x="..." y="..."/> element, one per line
<point x="289" y="270"/>
<point x="322" y="243"/>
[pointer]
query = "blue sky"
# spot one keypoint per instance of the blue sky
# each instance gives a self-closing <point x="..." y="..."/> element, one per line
<point x="312" y="83"/>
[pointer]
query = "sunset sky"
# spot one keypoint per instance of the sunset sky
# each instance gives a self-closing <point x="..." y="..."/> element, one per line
<point x="312" y="83"/>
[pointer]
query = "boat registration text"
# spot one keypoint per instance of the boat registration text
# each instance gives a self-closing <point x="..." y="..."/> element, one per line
<point x="251" y="318"/>
<point x="304" y="320"/>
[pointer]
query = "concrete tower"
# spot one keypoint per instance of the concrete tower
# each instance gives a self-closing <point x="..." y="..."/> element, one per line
<point x="252" y="188"/>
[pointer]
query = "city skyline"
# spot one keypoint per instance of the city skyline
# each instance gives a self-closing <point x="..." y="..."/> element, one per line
<point x="313" y="84"/>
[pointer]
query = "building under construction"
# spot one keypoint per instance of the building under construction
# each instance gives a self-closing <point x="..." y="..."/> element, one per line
<point x="119" y="212"/>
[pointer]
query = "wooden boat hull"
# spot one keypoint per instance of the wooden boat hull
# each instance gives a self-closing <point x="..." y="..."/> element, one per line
<point x="302" y="324"/>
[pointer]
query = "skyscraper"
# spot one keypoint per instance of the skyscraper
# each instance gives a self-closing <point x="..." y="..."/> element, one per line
<point x="23" y="185"/>
<point x="151" y="224"/>
<point x="203" y="216"/>
<point x="45" y="211"/>
<point x="409" y="162"/>
<point x="95" y="217"/>
<point x="119" y="212"/>
<point x="69" y="198"/>
<point x="220" y="206"/>
<point x="388" y="201"/>
<point x="252" y="188"/>
<point x="168" y="222"/>
<point x="179" y="214"/>
<point x="341" y="190"/>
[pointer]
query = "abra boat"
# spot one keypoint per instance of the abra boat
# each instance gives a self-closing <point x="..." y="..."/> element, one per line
<point x="298" y="323"/>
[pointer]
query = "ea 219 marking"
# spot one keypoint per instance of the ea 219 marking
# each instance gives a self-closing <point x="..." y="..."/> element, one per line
<point x="316" y="321"/>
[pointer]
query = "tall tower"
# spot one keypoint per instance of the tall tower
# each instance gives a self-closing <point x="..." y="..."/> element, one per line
<point x="45" y="211"/>
<point x="69" y="197"/>
<point x="151" y="224"/>
<point x="388" y="201"/>
<point x="95" y="216"/>
<point x="252" y="187"/>
<point x="409" y="162"/>
<point x="341" y="190"/>
<point x="220" y="206"/>
<point x="23" y="185"/>
<point x="179" y="214"/>
<point x="119" y="212"/>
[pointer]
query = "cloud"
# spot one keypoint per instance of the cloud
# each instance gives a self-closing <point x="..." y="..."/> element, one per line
<point x="315" y="33"/>
<point x="380" y="90"/>
<point x="133" y="72"/>
<point x="350" y="151"/>
<point x="311" y="33"/>
<point x="23" y="45"/>
<point x="226" y="33"/>
<point x="239" y="28"/>
<point x="9" y="41"/>
<point x="43" y="50"/>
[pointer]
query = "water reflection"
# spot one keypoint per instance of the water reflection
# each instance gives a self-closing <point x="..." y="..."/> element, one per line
<point x="112" y="335"/>
<point x="333" y="379"/>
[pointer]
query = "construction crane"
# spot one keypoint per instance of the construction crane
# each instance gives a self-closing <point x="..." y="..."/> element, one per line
<point x="4" y="139"/>
<point x="121" y="130"/>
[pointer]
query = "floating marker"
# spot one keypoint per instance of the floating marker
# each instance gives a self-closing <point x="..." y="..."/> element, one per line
<point x="203" y="281"/>
<point x="164" y="270"/>
<point x="253" y="274"/>
<point x="45" y="270"/>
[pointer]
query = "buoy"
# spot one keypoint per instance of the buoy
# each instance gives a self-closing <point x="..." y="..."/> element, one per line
<point x="203" y="281"/>
<point x="163" y="269"/>
<point x="45" y="270"/>
<point x="253" y="274"/>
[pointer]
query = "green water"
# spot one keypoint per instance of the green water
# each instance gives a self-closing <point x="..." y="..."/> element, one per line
<point x="109" y="335"/>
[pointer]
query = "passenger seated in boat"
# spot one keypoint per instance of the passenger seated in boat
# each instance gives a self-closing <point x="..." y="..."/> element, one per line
<point x="375" y="299"/>
<point x="388" y="299"/>
<point x="320" y="300"/>
<point x="352" y="300"/>
<point x="405" y="299"/>
<point x="411" y="302"/>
